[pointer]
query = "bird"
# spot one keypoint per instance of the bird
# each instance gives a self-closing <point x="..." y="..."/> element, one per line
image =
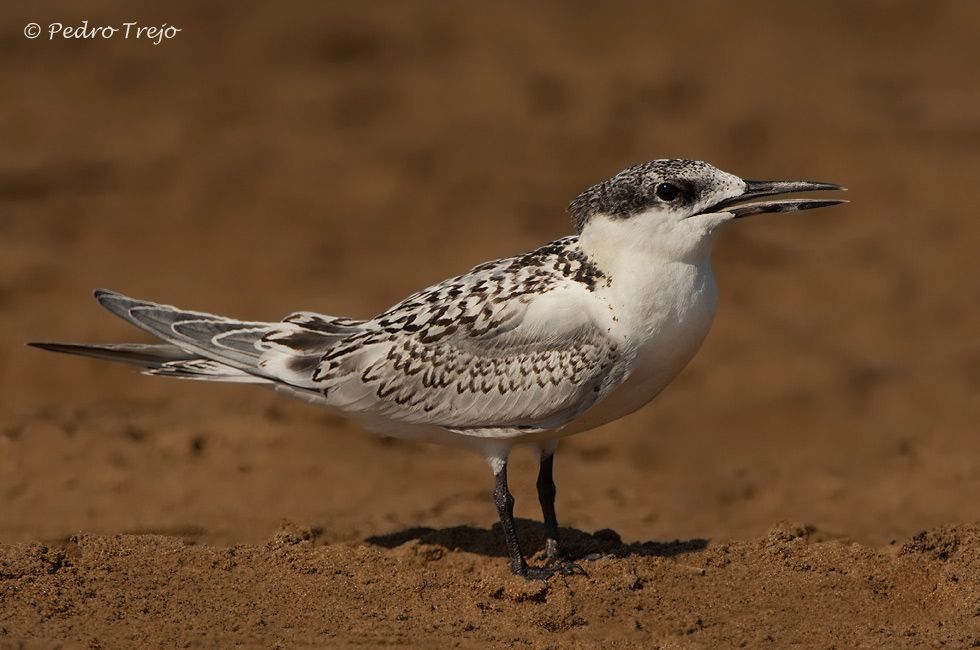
<point x="524" y="350"/>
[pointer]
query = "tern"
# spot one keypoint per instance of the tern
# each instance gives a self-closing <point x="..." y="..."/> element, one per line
<point x="524" y="350"/>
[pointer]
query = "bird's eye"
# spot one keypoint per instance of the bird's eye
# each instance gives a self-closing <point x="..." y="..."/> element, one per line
<point x="667" y="191"/>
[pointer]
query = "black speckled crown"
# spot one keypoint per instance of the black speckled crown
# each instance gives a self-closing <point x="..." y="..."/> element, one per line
<point x="631" y="191"/>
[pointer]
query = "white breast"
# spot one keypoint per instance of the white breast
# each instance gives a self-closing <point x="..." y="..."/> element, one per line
<point x="663" y="321"/>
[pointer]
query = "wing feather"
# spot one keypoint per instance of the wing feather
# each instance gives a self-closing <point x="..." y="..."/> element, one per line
<point x="512" y="347"/>
<point x="504" y="347"/>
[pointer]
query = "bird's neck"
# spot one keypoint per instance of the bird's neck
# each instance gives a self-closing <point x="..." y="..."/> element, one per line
<point x="640" y="262"/>
<point x="651" y="290"/>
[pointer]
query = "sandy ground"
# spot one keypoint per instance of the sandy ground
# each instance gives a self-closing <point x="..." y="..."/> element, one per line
<point x="810" y="481"/>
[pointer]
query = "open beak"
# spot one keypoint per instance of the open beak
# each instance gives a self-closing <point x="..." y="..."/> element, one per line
<point x="754" y="189"/>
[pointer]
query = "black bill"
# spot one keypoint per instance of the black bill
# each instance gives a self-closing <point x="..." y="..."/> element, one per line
<point x="739" y="207"/>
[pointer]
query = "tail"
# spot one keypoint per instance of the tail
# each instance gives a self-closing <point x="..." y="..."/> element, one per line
<point x="204" y="346"/>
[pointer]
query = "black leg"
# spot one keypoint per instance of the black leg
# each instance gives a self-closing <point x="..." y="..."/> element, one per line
<point x="546" y="496"/>
<point x="505" y="508"/>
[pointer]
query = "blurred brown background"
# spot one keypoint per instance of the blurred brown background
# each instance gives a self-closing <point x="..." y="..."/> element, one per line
<point x="337" y="156"/>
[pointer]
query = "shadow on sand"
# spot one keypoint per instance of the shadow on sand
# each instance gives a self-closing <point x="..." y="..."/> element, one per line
<point x="578" y="544"/>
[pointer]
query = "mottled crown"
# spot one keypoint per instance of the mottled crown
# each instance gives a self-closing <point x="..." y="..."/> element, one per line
<point x="632" y="190"/>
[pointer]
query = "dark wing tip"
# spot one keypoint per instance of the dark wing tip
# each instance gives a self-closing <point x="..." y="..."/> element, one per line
<point x="119" y="304"/>
<point x="102" y="295"/>
<point x="67" y="348"/>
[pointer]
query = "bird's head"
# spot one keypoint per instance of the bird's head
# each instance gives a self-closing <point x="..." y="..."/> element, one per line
<point x="675" y="207"/>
